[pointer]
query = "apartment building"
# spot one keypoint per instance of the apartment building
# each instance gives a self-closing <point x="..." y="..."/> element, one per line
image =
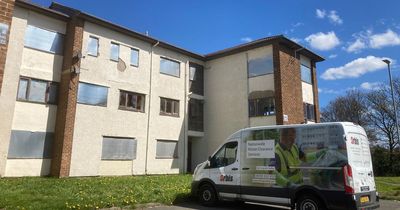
<point x="80" y="96"/>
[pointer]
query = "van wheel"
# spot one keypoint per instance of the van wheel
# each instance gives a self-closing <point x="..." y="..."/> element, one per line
<point x="309" y="202"/>
<point x="207" y="195"/>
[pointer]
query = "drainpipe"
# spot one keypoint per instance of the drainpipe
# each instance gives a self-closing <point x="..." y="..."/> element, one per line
<point x="185" y="137"/>
<point x="149" y="107"/>
<point x="248" y="89"/>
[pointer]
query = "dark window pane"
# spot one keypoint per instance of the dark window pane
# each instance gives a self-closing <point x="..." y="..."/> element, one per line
<point x="261" y="107"/>
<point x="261" y="66"/>
<point x="37" y="91"/>
<point x="169" y="106"/>
<point x="122" y="99"/>
<point x="53" y="93"/>
<point x="169" y="67"/>
<point x="23" y="85"/>
<point x="140" y="103"/>
<point x="92" y="94"/>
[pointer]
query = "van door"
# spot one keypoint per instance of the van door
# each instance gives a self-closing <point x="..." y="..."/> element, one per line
<point x="224" y="170"/>
<point x="359" y="158"/>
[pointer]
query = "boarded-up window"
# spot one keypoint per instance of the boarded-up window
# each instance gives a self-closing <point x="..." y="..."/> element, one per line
<point x="27" y="144"/>
<point x="167" y="149"/>
<point x="117" y="148"/>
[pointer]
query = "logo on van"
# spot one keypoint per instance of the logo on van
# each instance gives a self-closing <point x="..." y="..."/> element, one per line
<point x="226" y="178"/>
<point x="354" y="141"/>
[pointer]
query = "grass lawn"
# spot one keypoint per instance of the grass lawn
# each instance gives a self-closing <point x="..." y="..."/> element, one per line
<point x="91" y="193"/>
<point x="102" y="192"/>
<point x="388" y="187"/>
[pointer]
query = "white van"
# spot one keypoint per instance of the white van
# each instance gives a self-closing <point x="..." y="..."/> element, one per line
<point x="307" y="166"/>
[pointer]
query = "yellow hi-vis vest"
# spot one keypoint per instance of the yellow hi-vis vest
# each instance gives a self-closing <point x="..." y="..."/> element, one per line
<point x="288" y="159"/>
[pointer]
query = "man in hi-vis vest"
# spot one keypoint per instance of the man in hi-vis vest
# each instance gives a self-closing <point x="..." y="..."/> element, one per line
<point x="288" y="158"/>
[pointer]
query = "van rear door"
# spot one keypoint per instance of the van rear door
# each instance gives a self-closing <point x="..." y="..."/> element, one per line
<point x="359" y="159"/>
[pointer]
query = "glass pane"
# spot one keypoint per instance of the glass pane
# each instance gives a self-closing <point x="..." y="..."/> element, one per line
<point x="37" y="91"/>
<point x="114" y="54"/>
<point x="93" y="45"/>
<point x="45" y="40"/>
<point x="192" y="73"/>
<point x="92" y="94"/>
<point x="162" y="105"/>
<point x="230" y="152"/>
<point x="169" y="106"/>
<point x="134" y="57"/>
<point x="53" y="93"/>
<point x="132" y="100"/>
<point x="140" y="102"/>
<point x="122" y="99"/>
<point x="176" y="107"/>
<point x="23" y="85"/>
<point x="305" y="74"/>
<point x="261" y="66"/>
<point x="169" y="67"/>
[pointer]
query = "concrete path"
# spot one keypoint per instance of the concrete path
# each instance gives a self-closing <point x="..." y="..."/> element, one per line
<point x="385" y="205"/>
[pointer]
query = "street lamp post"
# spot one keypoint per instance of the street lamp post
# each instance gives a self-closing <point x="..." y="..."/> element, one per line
<point x="394" y="103"/>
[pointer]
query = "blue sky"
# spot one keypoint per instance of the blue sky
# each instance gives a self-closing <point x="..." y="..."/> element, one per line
<point x="353" y="36"/>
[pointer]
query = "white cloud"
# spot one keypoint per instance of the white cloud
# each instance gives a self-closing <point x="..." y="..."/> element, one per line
<point x="320" y="13"/>
<point x="332" y="56"/>
<point x="355" y="68"/>
<point x="389" y="38"/>
<point x="328" y="91"/>
<point x="246" y="39"/>
<point x="323" y="41"/>
<point x="335" y="18"/>
<point x="366" y="39"/>
<point x="370" y="85"/>
<point x="356" y="46"/>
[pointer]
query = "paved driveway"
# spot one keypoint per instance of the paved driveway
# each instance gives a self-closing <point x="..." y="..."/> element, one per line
<point x="385" y="205"/>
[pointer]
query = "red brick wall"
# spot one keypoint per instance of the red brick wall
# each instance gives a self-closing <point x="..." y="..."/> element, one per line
<point x="64" y="131"/>
<point x="6" y="12"/>
<point x="288" y="89"/>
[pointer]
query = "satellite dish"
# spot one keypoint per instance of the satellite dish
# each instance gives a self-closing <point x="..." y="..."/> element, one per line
<point x="121" y="66"/>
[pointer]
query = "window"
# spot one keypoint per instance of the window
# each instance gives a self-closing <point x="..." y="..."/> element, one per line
<point x="93" y="46"/>
<point x="131" y="101"/>
<point x="134" y="57"/>
<point x="118" y="148"/>
<point x="309" y="112"/>
<point x="196" y="122"/>
<point x="92" y="94"/>
<point x="225" y="156"/>
<point x="114" y="52"/>
<point x="305" y="69"/>
<point x="260" y="66"/>
<point x="45" y="40"/>
<point x="306" y="74"/>
<point x="35" y="90"/>
<point x="192" y="73"/>
<point x="167" y="149"/>
<point x="261" y="107"/>
<point x="169" y="67"/>
<point x="169" y="107"/>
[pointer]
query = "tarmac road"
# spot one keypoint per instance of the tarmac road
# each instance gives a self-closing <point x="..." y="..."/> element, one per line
<point x="385" y="205"/>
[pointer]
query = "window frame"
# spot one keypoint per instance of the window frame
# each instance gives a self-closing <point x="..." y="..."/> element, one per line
<point x="172" y="114"/>
<point x="138" y="55"/>
<point x="119" y="49"/>
<point x="171" y="60"/>
<point x="77" y="95"/>
<point x="213" y="163"/>
<point x="175" y="156"/>
<point x="47" y="92"/>
<point x="98" y="46"/>
<point x="126" y="101"/>
<point x="46" y="51"/>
